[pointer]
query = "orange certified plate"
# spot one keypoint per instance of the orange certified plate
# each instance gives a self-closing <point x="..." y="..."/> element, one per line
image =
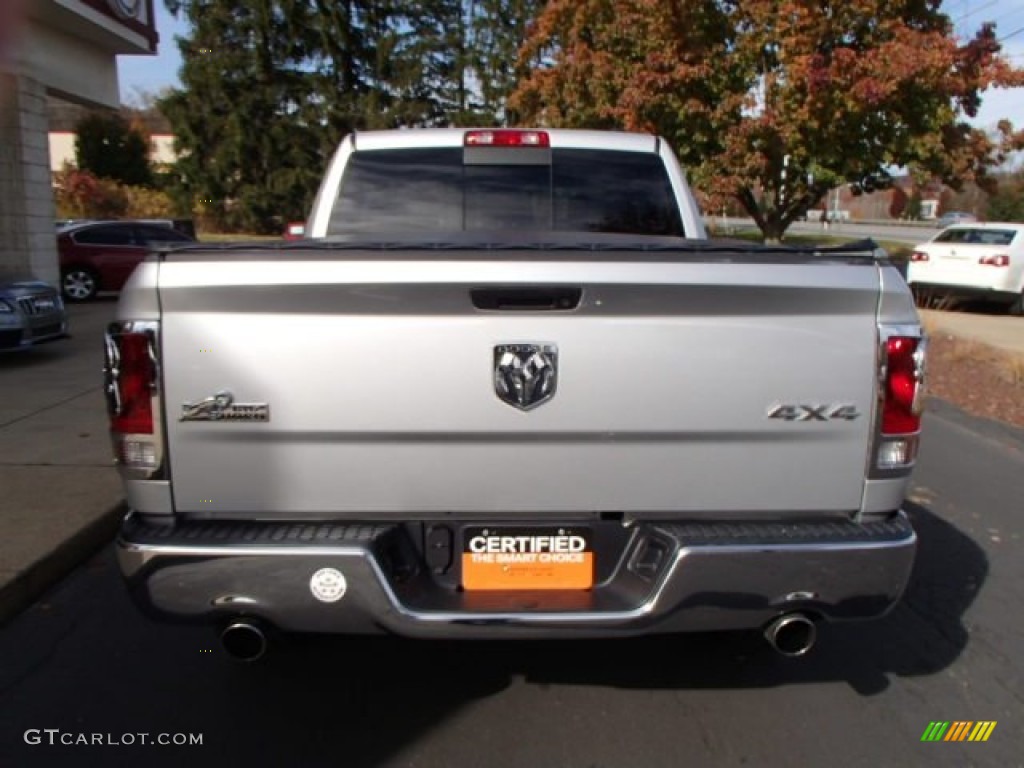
<point x="499" y="558"/>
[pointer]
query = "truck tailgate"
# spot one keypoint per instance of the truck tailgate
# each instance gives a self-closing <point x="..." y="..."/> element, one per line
<point x="378" y="371"/>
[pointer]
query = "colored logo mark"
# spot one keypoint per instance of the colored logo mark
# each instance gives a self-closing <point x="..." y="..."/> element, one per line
<point x="959" y="730"/>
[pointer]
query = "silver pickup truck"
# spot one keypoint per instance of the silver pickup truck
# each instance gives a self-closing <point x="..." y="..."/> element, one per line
<point x="508" y="388"/>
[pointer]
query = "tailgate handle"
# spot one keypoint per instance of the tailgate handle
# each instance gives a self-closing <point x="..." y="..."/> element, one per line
<point x="519" y="298"/>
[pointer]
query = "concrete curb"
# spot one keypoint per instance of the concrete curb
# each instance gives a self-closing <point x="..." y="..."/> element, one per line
<point x="31" y="582"/>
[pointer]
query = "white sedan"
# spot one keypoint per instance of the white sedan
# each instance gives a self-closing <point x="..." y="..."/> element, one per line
<point x="976" y="260"/>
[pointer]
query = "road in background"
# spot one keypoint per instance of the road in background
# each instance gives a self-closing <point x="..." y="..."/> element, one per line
<point x="83" y="660"/>
<point x="899" y="233"/>
<point x="909" y="234"/>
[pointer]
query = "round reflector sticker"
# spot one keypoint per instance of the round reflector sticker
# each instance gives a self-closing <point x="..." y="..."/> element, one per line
<point x="328" y="585"/>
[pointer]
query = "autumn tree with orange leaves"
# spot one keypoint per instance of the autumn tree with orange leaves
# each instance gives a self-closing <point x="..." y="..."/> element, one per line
<point x="774" y="102"/>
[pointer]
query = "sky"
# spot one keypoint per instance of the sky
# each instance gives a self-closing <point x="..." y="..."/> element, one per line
<point x="142" y="74"/>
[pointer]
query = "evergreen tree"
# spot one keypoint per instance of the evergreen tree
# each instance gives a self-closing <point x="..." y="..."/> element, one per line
<point x="108" y="147"/>
<point x="427" y="80"/>
<point x="343" y="60"/>
<point x="498" y="28"/>
<point x="389" y="64"/>
<point x="269" y="87"/>
<point x="251" y="150"/>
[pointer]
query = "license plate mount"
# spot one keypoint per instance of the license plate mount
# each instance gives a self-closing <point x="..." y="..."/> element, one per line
<point x="497" y="557"/>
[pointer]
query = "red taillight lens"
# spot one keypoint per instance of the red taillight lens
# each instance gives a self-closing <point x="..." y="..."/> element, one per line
<point x="130" y="385"/>
<point x="904" y="378"/>
<point x="506" y="138"/>
<point x="999" y="260"/>
<point x="919" y="256"/>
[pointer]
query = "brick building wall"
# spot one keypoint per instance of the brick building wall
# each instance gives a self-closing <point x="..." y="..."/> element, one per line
<point x="27" y="244"/>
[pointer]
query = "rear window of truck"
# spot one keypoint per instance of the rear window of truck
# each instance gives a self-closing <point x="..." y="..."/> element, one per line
<point x="450" y="189"/>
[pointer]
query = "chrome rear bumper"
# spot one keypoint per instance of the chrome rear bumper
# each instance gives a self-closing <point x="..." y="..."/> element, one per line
<point x="671" y="577"/>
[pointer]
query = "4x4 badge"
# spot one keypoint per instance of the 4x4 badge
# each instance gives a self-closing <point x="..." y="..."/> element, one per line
<point x="814" y="412"/>
<point x="525" y="375"/>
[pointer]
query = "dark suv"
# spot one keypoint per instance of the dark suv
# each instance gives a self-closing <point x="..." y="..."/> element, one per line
<point x="100" y="255"/>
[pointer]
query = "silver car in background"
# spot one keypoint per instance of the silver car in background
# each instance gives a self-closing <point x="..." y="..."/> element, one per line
<point x="955" y="217"/>
<point x="31" y="312"/>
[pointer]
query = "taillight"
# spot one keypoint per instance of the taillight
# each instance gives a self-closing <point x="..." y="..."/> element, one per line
<point x="901" y="394"/>
<point x="506" y="138"/>
<point x="903" y="379"/>
<point x="131" y="385"/>
<point x="919" y="256"/>
<point x="999" y="260"/>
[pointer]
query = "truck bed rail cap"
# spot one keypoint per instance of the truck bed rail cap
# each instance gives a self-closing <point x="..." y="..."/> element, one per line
<point x="527" y="246"/>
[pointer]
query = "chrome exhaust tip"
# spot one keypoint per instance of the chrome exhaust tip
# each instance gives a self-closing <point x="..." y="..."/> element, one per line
<point x="792" y="634"/>
<point x="244" y="641"/>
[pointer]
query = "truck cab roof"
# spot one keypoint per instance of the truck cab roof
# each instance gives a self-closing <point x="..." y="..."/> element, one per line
<point x="456" y="137"/>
